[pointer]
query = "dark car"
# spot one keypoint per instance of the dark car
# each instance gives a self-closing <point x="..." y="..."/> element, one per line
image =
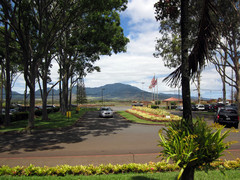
<point x="227" y="116"/>
<point x="194" y="108"/>
<point x="206" y="107"/>
<point x="105" y="112"/>
<point x="217" y="106"/>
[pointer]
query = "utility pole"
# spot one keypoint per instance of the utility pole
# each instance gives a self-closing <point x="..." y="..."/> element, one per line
<point x="102" y="95"/>
<point x="142" y="92"/>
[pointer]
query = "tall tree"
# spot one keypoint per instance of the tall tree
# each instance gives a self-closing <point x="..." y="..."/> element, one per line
<point x="99" y="34"/>
<point x="190" y="64"/>
<point x="9" y="66"/>
<point x="229" y="43"/>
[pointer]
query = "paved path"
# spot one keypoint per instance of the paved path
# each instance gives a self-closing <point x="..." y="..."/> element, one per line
<point x="94" y="140"/>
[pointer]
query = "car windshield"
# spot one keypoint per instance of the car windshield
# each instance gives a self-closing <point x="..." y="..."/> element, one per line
<point x="228" y="111"/>
<point x="105" y="109"/>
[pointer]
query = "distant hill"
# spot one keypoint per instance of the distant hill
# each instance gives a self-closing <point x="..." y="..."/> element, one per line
<point x="117" y="91"/>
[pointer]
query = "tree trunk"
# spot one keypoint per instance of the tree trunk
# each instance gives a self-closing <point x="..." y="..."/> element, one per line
<point x="188" y="173"/>
<point x="8" y="83"/>
<point x="31" y="85"/>
<point x="187" y="112"/>
<point x="224" y="89"/>
<point x="1" y="92"/>
<point x="65" y="94"/>
<point x="44" y="89"/>
<point x="70" y="94"/>
<point x="198" y="86"/>
<point x="25" y="97"/>
<point x="44" y="98"/>
<point x="238" y="88"/>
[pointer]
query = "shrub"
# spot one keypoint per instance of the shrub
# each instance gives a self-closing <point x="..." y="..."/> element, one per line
<point x="192" y="147"/>
<point x="154" y="107"/>
<point x="38" y="112"/>
<point x="64" y="170"/>
<point x="20" y="116"/>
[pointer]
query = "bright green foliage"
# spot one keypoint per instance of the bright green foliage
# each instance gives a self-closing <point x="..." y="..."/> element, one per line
<point x="107" y="169"/>
<point x="192" y="147"/>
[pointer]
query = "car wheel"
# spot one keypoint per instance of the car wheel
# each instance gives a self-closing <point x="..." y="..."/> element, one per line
<point x="236" y="126"/>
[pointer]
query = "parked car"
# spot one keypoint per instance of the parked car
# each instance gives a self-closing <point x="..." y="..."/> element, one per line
<point x="105" y="112"/>
<point x="211" y="108"/>
<point x="137" y="104"/>
<point x="194" y="108"/>
<point x="217" y="106"/>
<point x="11" y="111"/>
<point x="234" y="106"/>
<point x="179" y="108"/>
<point x="200" y="107"/>
<point x="227" y="116"/>
<point x="206" y="106"/>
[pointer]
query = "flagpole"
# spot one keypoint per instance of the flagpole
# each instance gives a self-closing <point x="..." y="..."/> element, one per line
<point x="157" y="91"/>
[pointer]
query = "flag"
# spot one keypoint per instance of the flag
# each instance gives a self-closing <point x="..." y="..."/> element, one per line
<point x="153" y="82"/>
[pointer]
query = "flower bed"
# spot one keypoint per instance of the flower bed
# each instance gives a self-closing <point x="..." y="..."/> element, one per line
<point x="158" y="115"/>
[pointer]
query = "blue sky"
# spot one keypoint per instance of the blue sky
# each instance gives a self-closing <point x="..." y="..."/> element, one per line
<point x="137" y="65"/>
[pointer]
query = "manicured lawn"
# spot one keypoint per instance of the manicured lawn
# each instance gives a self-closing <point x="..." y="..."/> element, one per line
<point x="199" y="175"/>
<point x="135" y="119"/>
<point x="56" y="120"/>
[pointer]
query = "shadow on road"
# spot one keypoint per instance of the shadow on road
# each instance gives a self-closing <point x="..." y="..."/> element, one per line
<point x="89" y="124"/>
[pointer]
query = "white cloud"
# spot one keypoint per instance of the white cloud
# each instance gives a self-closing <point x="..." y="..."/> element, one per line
<point x="140" y="11"/>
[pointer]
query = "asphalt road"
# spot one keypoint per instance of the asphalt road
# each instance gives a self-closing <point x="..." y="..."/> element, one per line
<point x="93" y="140"/>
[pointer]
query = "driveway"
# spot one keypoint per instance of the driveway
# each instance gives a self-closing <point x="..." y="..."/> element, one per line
<point x="93" y="140"/>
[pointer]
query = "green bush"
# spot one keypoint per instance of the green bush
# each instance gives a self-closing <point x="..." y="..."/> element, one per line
<point x="38" y="112"/>
<point x="154" y="107"/>
<point x="192" y="147"/>
<point x="64" y="170"/>
<point x="49" y="110"/>
<point x="18" y="116"/>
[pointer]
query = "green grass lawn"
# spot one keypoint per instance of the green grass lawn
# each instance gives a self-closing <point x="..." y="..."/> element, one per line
<point x="135" y="119"/>
<point x="199" y="175"/>
<point x="56" y="120"/>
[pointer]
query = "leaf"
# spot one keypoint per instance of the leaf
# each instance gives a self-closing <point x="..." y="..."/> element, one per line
<point x="180" y="173"/>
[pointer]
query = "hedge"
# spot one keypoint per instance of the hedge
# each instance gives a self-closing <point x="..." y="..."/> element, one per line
<point x="15" y="117"/>
<point x="64" y="170"/>
<point x="18" y="116"/>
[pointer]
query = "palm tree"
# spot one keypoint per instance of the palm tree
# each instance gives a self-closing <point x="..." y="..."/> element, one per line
<point x="192" y="63"/>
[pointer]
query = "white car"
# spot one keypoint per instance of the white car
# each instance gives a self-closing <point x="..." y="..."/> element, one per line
<point x="200" y="107"/>
<point x="180" y="108"/>
<point x="105" y="112"/>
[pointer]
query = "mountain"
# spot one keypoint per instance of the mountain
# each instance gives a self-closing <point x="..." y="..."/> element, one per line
<point x="117" y="91"/>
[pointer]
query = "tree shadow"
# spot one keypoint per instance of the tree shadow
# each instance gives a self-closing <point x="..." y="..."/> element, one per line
<point x="89" y="124"/>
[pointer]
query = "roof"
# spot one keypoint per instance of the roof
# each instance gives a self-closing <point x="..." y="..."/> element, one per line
<point x="171" y="99"/>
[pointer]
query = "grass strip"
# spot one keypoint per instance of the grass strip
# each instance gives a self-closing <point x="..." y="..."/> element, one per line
<point x="199" y="175"/>
<point x="56" y="120"/>
<point x="135" y="119"/>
